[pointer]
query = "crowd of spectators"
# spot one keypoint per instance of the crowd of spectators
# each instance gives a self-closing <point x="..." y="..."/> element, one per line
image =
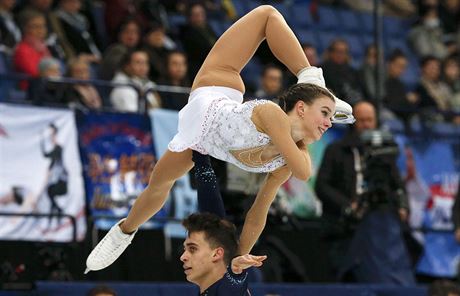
<point x="135" y="44"/>
<point x="49" y="40"/>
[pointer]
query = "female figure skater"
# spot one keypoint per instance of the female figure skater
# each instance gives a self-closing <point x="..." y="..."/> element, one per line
<point x="257" y="136"/>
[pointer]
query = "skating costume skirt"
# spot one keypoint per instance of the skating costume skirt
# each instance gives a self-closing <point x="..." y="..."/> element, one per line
<point x="216" y="121"/>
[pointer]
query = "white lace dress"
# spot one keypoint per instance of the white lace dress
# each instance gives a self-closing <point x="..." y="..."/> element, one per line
<point x="215" y="122"/>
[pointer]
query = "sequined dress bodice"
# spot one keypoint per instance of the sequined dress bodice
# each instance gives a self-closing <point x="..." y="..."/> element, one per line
<point x="232" y="134"/>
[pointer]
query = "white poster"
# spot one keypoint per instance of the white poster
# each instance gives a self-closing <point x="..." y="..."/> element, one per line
<point x="40" y="173"/>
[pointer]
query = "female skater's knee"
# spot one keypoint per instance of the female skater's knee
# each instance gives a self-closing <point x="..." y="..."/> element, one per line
<point x="156" y="187"/>
<point x="267" y="10"/>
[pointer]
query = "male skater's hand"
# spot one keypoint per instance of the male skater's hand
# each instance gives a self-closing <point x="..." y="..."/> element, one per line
<point x="241" y="263"/>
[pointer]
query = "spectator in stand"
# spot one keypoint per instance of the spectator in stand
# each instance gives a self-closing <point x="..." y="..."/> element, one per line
<point x="197" y="38"/>
<point x="397" y="99"/>
<point x="341" y="77"/>
<point x="74" y="32"/>
<point x="451" y="76"/>
<point x="311" y="53"/>
<point x="155" y="46"/>
<point x="134" y="70"/>
<point x="10" y="34"/>
<point x="367" y="75"/>
<point x="115" y="12"/>
<point x="129" y="35"/>
<point x="426" y="38"/>
<point x="434" y="94"/>
<point x="271" y="83"/>
<point x="43" y="90"/>
<point x="400" y="8"/>
<point x="145" y="12"/>
<point x="81" y="94"/>
<point x="176" y="76"/>
<point x="449" y="14"/>
<point x="32" y="48"/>
<point x="44" y="7"/>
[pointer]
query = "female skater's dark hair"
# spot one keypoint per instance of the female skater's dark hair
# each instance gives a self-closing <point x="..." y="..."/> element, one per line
<point x="305" y="92"/>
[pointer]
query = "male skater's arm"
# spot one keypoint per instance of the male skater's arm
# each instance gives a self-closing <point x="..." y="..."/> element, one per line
<point x="209" y="197"/>
<point x="257" y="215"/>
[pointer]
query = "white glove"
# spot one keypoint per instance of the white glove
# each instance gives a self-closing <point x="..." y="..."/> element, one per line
<point x="314" y="75"/>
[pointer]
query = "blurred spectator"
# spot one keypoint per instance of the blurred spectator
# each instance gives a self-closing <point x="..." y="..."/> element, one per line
<point x="197" y="38"/>
<point x="397" y="99"/>
<point x="271" y="84"/>
<point x="143" y="11"/>
<point x="115" y="12"/>
<point x="32" y="48"/>
<point x="81" y="94"/>
<point x="134" y="70"/>
<point x="449" y="14"/>
<point x="434" y="94"/>
<point x="311" y="53"/>
<point x="10" y="34"/>
<point x="401" y="8"/>
<point x="44" y="7"/>
<point x="73" y="30"/>
<point x="101" y="291"/>
<point x="176" y="76"/>
<point x="129" y="35"/>
<point x="426" y="38"/>
<point x="358" y="216"/>
<point x="341" y="77"/>
<point x="181" y="6"/>
<point x="43" y="90"/>
<point x="367" y="75"/>
<point x="443" y="288"/>
<point x="155" y="46"/>
<point x="451" y="76"/>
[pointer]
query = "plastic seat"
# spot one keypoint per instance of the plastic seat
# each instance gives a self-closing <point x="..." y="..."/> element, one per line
<point x="367" y="40"/>
<point x="309" y="36"/>
<point x="349" y="20"/>
<point x="176" y="20"/>
<point x="394" y="27"/>
<point x="329" y="19"/>
<point x="251" y="73"/>
<point x="301" y="16"/>
<point x="367" y="22"/>
<point x="216" y="26"/>
<point x="283" y="9"/>
<point x="411" y="76"/>
<point x="251" y="4"/>
<point x="240" y="7"/>
<point x="397" y="43"/>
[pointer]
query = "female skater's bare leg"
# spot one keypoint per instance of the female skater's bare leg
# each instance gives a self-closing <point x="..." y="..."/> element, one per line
<point x="238" y="44"/>
<point x="170" y="167"/>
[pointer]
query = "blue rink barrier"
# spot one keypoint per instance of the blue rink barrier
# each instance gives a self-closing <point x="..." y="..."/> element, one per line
<point x="185" y="289"/>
